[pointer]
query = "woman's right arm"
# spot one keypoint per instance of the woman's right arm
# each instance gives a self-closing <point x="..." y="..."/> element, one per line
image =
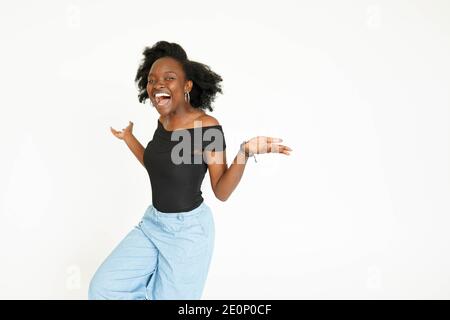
<point x="135" y="146"/>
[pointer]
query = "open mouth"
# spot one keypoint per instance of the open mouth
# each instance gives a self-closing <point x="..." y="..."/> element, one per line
<point x="162" y="99"/>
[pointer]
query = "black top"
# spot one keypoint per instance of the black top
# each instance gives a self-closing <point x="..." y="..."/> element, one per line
<point x="176" y="166"/>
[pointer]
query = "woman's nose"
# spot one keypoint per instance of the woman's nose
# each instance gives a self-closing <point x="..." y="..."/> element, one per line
<point x="160" y="83"/>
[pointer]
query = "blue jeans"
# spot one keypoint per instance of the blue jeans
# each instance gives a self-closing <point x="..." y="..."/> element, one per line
<point x="166" y="256"/>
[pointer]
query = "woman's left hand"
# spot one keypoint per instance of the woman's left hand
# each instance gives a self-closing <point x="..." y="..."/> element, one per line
<point x="262" y="144"/>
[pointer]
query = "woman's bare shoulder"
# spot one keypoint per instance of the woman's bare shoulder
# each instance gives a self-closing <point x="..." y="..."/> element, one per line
<point x="208" y="120"/>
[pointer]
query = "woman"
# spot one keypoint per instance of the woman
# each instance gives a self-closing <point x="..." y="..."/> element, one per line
<point x="167" y="255"/>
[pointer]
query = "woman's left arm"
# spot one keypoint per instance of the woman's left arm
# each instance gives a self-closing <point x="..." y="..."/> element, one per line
<point x="223" y="179"/>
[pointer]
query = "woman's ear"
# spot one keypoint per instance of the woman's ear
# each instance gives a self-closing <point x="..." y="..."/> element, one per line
<point x="188" y="86"/>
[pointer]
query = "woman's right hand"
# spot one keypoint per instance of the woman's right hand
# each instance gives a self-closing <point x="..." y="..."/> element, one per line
<point x="122" y="135"/>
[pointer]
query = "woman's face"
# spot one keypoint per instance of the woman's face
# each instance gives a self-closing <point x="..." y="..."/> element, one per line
<point x="166" y="85"/>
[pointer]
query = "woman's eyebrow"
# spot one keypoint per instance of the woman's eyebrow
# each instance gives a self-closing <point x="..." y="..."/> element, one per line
<point x="150" y="74"/>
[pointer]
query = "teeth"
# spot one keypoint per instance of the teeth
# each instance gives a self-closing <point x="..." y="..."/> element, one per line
<point x="162" y="94"/>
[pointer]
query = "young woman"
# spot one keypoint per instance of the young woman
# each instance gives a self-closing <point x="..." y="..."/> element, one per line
<point x="167" y="255"/>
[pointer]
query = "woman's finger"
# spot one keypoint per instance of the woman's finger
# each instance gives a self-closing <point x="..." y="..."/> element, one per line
<point x="272" y="139"/>
<point x="275" y="148"/>
<point x="279" y="148"/>
<point x="285" y="147"/>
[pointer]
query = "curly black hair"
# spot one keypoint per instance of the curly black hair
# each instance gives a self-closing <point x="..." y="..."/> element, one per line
<point x="206" y="83"/>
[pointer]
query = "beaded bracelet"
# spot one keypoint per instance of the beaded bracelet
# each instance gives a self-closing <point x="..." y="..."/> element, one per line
<point x="247" y="154"/>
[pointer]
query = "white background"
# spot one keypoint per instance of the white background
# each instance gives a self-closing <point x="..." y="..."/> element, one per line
<point x="358" y="89"/>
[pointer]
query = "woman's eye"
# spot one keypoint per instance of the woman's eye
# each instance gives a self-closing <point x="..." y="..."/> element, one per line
<point x="151" y="80"/>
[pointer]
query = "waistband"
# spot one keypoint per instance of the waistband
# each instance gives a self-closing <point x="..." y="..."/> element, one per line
<point x="203" y="206"/>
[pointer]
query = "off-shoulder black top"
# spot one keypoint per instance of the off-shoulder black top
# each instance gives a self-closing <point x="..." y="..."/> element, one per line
<point x="177" y="167"/>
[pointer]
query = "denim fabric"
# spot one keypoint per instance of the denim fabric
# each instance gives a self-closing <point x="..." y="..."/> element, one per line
<point x="166" y="256"/>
